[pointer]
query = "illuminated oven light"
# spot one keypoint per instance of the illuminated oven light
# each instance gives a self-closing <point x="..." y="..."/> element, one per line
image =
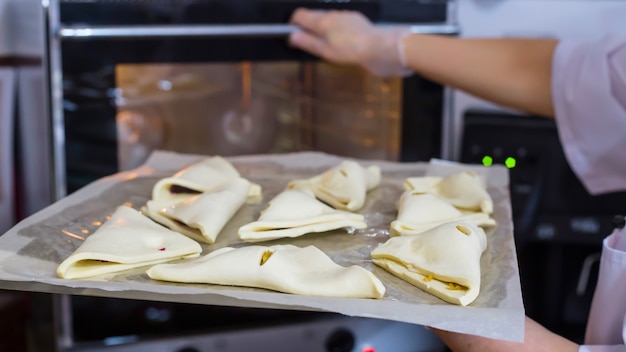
<point x="487" y="160"/>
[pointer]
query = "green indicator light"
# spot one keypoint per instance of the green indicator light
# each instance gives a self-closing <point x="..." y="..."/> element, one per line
<point x="510" y="162"/>
<point x="487" y="160"/>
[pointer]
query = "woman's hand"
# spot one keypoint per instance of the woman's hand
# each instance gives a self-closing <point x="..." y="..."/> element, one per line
<point x="347" y="37"/>
<point x="516" y="73"/>
<point x="536" y="339"/>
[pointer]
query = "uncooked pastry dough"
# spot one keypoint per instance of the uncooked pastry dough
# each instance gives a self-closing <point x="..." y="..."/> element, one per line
<point x="203" y="216"/>
<point x="153" y="208"/>
<point x="284" y="268"/>
<point x="344" y="186"/>
<point x="418" y="212"/>
<point x="466" y="190"/>
<point x="203" y="176"/>
<point x="293" y="213"/>
<point x="127" y="240"/>
<point x="444" y="261"/>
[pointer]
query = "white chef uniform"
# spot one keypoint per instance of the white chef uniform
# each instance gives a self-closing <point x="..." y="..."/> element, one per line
<point x="589" y="93"/>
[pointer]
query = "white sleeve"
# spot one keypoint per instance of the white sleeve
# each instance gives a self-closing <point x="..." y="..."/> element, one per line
<point x="589" y="95"/>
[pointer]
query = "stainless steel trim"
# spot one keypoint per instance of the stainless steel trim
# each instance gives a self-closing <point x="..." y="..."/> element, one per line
<point x="448" y="136"/>
<point x="174" y="31"/>
<point x="453" y="13"/>
<point x="63" y="323"/>
<point x="56" y="104"/>
<point x="62" y="305"/>
<point x="269" y="30"/>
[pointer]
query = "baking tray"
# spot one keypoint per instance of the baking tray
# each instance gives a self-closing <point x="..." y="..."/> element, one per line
<point x="31" y="251"/>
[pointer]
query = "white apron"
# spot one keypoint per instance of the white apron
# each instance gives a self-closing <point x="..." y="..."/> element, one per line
<point x="606" y="328"/>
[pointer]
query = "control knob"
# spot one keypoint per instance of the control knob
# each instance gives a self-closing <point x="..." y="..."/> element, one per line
<point x="340" y="340"/>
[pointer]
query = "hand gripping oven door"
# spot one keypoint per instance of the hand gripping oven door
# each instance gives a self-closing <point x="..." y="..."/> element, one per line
<point x="7" y="186"/>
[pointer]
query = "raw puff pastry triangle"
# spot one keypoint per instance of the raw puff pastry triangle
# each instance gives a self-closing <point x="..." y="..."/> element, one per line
<point x="293" y="213"/>
<point x="284" y="268"/>
<point x="444" y="261"/>
<point x="203" y="176"/>
<point x="344" y="186"/>
<point x="418" y="212"/>
<point x="202" y="216"/>
<point x="466" y="190"/>
<point x="127" y="240"/>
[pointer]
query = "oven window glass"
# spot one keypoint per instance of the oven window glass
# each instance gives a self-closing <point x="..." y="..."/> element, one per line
<point x="196" y="95"/>
<point x="255" y="107"/>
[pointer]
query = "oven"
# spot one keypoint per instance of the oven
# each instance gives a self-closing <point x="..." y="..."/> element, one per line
<point x="217" y="77"/>
<point x="118" y="79"/>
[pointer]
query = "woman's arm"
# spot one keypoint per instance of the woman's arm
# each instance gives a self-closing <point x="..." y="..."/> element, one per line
<point x="536" y="339"/>
<point x="511" y="72"/>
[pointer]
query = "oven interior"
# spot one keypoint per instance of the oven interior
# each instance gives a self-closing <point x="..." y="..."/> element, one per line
<point x="116" y="116"/>
<point x="245" y="108"/>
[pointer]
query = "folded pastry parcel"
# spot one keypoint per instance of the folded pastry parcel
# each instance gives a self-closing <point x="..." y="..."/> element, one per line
<point x="203" y="176"/>
<point x="443" y="261"/>
<point x="344" y="186"/>
<point x="293" y="213"/>
<point x="204" y="215"/>
<point x="466" y="190"/>
<point x="418" y="212"/>
<point x="127" y="240"/>
<point x="283" y="268"/>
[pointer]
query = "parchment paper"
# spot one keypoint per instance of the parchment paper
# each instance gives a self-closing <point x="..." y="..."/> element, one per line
<point x="31" y="251"/>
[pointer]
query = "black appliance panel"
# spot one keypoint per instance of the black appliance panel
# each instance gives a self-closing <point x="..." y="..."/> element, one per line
<point x="559" y="226"/>
<point x="543" y="186"/>
<point x="168" y="12"/>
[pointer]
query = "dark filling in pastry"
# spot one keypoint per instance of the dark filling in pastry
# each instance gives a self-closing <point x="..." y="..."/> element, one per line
<point x="175" y="189"/>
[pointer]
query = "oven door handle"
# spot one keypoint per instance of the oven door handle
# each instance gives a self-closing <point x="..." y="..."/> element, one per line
<point x="240" y="30"/>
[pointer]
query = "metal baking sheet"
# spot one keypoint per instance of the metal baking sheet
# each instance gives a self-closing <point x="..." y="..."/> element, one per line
<point x="31" y="251"/>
